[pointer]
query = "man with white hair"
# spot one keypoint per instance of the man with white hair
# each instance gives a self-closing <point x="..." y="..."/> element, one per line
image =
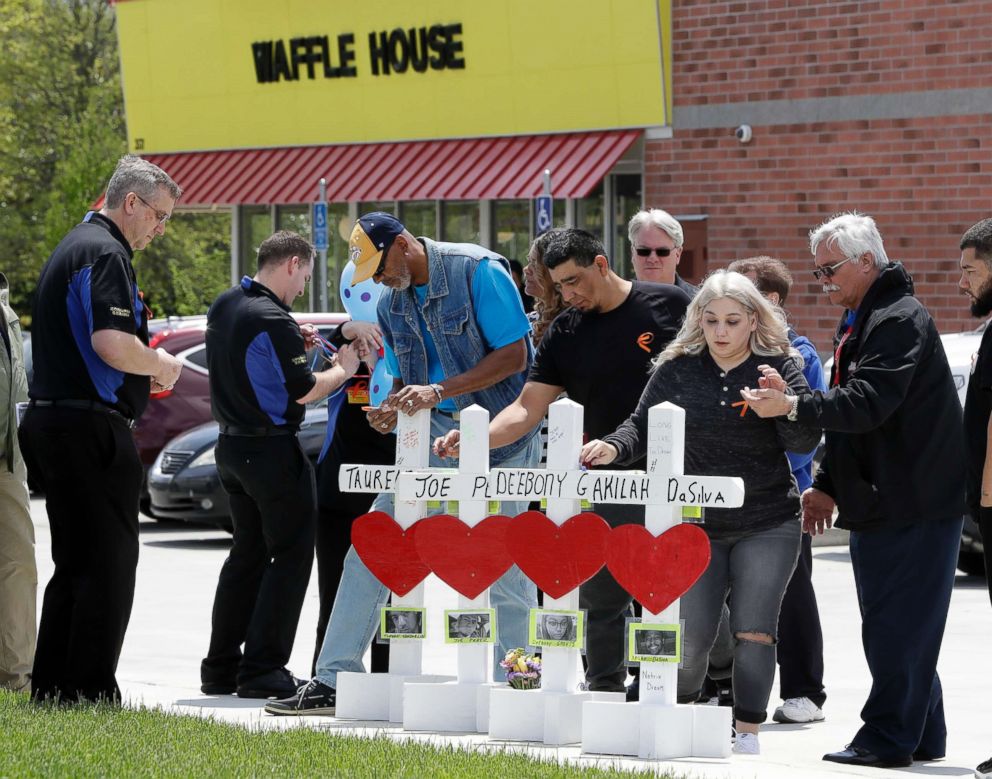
<point x="656" y="248"/>
<point x="897" y="486"/>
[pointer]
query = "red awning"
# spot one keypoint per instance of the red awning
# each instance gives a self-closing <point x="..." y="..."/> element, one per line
<point x="481" y="168"/>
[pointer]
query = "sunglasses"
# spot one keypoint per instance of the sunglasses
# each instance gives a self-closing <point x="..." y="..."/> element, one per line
<point x="382" y="263"/>
<point x="828" y="271"/>
<point x="661" y="251"/>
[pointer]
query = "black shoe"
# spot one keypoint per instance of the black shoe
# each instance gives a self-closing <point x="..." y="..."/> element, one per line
<point x="926" y="757"/>
<point x="984" y="770"/>
<point x="274" y="684"/>
<point x="218" y="688"/>
<point x="634" y="690"/>
<point x="860" y="756"/>
<point x="315" y="698"/>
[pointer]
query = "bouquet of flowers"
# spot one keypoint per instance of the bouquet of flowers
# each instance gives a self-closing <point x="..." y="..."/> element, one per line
<point x="523" y="671"/>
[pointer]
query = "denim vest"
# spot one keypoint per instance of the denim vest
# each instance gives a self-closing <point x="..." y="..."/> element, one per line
<point x="450" y="319"/>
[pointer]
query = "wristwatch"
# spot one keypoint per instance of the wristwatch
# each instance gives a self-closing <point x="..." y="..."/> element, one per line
<point x="793" y="415"/>
<point x="439" y="391"/>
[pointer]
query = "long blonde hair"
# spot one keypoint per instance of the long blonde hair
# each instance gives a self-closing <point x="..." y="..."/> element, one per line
<point x="770" y="338"/>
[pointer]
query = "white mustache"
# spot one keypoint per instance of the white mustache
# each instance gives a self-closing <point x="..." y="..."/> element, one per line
<point x="831" y="288"/>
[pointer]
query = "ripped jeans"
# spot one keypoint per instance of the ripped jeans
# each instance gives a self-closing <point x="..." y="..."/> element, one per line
<point x="755" y="568"/>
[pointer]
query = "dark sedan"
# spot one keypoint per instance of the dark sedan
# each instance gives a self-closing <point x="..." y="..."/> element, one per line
<point x="183" y="483"/>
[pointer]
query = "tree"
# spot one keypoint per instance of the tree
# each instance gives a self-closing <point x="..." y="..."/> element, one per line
<point x="62" y="131"/>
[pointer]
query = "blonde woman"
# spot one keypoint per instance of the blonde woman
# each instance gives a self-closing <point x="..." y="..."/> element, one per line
<point x="730" y="337"/>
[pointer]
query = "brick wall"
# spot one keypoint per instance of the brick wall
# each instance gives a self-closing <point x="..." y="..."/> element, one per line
<point x="786" y="49"/>
<point x="924" y="180"/>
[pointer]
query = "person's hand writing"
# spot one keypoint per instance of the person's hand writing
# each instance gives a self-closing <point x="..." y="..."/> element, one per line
<point x="597" y="452"/>
<point x="382" y="419"/>
<point x="448" y="445"/>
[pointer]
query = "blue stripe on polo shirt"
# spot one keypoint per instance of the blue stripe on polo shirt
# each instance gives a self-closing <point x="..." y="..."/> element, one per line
<point x="106" y="380"/>
<point x="266" y="377"/>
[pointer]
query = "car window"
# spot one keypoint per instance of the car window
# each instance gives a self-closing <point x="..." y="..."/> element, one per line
<point x="197" y="356"/>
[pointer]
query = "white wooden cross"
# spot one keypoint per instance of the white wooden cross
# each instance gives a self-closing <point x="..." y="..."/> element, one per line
<point x="379" y="697"/>
<point x="462" y="705"/>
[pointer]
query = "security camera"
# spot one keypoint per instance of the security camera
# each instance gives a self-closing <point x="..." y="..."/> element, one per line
<point x="743" y="133"/>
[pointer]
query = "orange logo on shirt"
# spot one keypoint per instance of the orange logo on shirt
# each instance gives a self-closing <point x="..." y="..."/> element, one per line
<point x="742" y="404"/>
<point x="644" y="340"/>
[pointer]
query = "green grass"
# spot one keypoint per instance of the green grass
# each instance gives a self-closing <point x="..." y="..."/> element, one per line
<point x="86" y="741"/>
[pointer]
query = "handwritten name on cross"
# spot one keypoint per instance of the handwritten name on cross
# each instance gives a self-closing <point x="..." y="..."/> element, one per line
<point x="601" y="486"/>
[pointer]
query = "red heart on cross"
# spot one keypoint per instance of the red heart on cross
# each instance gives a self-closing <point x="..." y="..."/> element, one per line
<point x="388" y="551"/>
<point x="657" y="570"/>
<point x="468" y="559"/>
<point x="558" y="558"/>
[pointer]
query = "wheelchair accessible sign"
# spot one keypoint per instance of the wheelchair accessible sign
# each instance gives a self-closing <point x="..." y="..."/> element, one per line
<point x="542" y="214"/>
<point x="320" y="226"/>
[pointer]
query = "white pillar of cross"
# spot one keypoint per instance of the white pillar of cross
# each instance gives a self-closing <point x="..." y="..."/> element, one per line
<point x="657" y="727"/>
<point x="379" y="697"/>
<point x="462" y="705"/>
<point x="553" y="713"/>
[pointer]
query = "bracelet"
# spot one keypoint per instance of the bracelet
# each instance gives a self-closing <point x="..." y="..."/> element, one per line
<point x="793" y="414"/>
<point x="438" y="390"/>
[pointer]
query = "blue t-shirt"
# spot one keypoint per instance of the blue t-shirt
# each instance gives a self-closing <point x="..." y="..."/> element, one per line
<point x="498" y="313"/>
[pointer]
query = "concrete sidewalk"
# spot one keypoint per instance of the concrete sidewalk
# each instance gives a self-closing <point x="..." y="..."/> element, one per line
<point x="170" y="628"/>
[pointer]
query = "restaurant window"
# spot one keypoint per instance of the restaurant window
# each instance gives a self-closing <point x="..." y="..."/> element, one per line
<point x="419" y="217"/>
<point x="626" y="203"/>
<point x="338" y="232"/>
<point x="589" y="212"/>
<point x="511" y="228"/>
<point x="296" y="219"/>
<point x="256" y="226"/>
<point x="460" y="221"/>
<point x="389" y="206"/>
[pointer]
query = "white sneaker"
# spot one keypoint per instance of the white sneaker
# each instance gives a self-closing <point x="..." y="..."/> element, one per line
<point x="747" y="744"/>
<point x="798" y="710"/>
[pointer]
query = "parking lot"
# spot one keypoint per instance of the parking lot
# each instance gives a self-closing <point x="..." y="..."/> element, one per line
<point x="170" y="628"/>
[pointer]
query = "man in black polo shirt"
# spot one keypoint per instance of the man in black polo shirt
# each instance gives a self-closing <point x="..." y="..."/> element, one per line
<point x="599" y="351"/>
<point x="260" y="383"/>
<point x="91" y="381"/>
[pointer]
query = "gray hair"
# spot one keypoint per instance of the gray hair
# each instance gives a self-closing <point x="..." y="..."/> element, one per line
<point x="853" y="234"/>
<point x="660" y="219"/>
<point x="770" y="338"/>
<point x="134" y="174"/>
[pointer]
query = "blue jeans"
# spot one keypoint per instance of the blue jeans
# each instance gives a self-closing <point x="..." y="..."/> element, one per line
<point x="355" y="615"/>
<point x="755" y="568"/>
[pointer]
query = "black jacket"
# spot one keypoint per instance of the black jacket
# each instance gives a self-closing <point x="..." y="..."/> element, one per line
<point x="895" y="445"/>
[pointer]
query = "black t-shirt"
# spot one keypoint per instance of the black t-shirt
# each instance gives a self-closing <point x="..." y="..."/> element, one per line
<point x="257" y="359"/>
<point x="87" y="284"/>
<point x="353" y="440"/>
<point x="603" y="360"/>
<point x="977" y="407"/>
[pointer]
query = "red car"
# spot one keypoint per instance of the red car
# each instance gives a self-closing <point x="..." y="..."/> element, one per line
<point x="187" y="404"/>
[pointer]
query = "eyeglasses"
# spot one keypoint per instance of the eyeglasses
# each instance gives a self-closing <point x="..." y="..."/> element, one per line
<point x="160" y="215"/>
<point x="661" y="251"/>
<point x="828" y="271"/>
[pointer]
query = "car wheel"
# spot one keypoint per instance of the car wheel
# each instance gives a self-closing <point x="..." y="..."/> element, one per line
<point x="971" y="563"/>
